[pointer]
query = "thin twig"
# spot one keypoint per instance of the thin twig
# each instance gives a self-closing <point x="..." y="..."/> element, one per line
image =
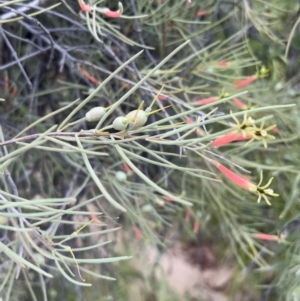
<point x="14" y="54"/>
<point x="25" y="57"/>
<point x="60" y="134"/>
<point x="22" y="9"/>
<point x="44" y="29"/>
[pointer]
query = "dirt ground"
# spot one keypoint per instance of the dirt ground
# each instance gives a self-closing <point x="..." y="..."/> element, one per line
<point x="187" y="278"/>
<point x="189" y="270"/>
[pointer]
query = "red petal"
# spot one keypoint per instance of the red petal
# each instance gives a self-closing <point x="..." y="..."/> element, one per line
<point x="162" y="97"/>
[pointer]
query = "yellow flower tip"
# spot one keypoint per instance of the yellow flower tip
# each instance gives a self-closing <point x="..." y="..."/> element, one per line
<point x="263" y="191"/>
<point x="263" y="133"/>
<point x="120" y="6"/>
<point x="263" y="72"/>
<point x="264" y="194"/>
<point x="223" y="94"/>
<point x="264" y="142"/>
<point x="249" y="121"/>
<point x="268" y="202"/>
<point x="281" y="238"/>
<point x="259" y="198"/>
<point x="271" y="192"/>
<point x="260" y="180"/>
<point x="265" y="186"/>
<point x="244" y="133"/>
<point x="266" y="199"/>
<point x="271" y="127"/>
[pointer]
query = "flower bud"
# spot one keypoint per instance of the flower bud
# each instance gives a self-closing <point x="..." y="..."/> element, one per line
<point x="139" y="117"/>
<point x="120" y="123"/>
<point x="121" y="176"/>
<point x="95" y="114"/>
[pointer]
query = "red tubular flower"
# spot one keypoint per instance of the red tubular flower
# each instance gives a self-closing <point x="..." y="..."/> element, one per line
<point x="275" y="130"/>
<point x="245" y="82"/>
<point x="201" y="13"/>
<point x="85" y="7"/>
<point x="222" y="64"/>
<point x="223" y="140"/>
<point x="89" y="77"/>
<point x="233" y="177"/>
<point x="239" y="104"/>
<point x="229" y="137"/>
<point x="168" y="198"/>
<point x="162" y="97"/>
<point x="267" y="237"/>
<point x="138" y="234"/>
<point x="246" y="130"/>
<point x="189" y="120"/>
<point x="94" y="218"/>
<point x="261" y="191"/>
<point x="242" y="136"/>
<point x="195" y="227"/>
<point x="208" y="100"/>
<point x="112" y="14"/>
<point x="250" y="79"/>
<point x="126" y="168"/>
<point x="92" y="79"/>
<point x="199" y="132"/>
<point x="246" y="177"/>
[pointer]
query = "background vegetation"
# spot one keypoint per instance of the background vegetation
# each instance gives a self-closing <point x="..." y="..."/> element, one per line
<point x="82" y="203"/>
